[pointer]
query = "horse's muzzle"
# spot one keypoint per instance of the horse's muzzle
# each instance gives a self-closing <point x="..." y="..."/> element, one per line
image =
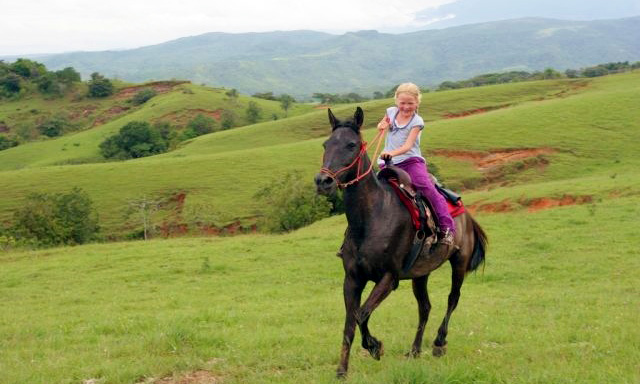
<point x="325" y="184"/>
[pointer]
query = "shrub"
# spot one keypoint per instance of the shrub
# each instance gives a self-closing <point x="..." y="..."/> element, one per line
<point x="53" y="127"/>
<point x="56" y="219"/>
<point x="253" y="112"/>
<point x="135" y="139"/>
<point x="143" y="96"/>
<point x="201" y="124"/>
<point x="6" y="143"/>
<point x="291" y="203"/>
<point x="99" y="86"/>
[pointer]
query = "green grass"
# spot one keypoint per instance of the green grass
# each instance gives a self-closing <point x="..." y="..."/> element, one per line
<point x="224" y="170"/>
<point x="556" y="303"/>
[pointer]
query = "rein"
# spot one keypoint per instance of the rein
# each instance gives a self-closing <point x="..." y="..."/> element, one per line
<point x="357" y="163"/>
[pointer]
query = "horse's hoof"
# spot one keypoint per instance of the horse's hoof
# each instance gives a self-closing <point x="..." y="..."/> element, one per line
<point x="377" y="350"/>
<point x="413" y="354"/>
<point x="439" y="351"/>
<point x="341" y="374"/>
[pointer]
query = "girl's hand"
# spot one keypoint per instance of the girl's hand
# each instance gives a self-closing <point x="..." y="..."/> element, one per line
<point x="384" y="124"/>
<point x="385" y="156"/>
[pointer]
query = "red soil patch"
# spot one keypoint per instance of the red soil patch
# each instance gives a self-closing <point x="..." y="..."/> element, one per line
<point x="454" y="115"/>
<point x="109" y="114"/>
<point x="158" y="86"/>
<point x="532" y="205"/>
<point x="546" y="202"/>
<point x="485" y="161"/>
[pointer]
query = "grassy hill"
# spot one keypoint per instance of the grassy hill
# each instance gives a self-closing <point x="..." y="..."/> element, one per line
<point x="557" y="301"/>
<point x="303" y="62"/>
<point x="220" y="172"/>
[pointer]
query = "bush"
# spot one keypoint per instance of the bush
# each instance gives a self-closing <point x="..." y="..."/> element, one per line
<point x="53" y="127"/>
<point x="253" y="112"/>
<point x="99" y="86"/>
<point x="6" y="143"/>
<point x="136" y="139"/>
<point x="291" y="203"/>
<point x="56" y="219"/>
<point x="143" y="96"/>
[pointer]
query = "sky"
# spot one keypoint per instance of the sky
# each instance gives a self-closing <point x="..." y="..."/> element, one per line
<point x="54" y="26"/>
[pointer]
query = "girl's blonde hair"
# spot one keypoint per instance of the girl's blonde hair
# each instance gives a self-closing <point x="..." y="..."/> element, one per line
<point x="411" y="89"/>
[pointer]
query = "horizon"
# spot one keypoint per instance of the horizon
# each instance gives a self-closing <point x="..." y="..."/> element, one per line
<point x="70" y="26"/>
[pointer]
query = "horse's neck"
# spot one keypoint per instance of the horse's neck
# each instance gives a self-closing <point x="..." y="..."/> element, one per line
<point x="362" y="198"/>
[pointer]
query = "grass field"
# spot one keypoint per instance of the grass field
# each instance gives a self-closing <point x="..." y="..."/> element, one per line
<point x="556" y="303"/>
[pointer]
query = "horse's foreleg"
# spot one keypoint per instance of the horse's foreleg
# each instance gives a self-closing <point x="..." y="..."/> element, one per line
<point x="352" y="295"/>
<point x="424" y="307"/>
<point x="380" y="291"/>
<point x="457" y="277"/>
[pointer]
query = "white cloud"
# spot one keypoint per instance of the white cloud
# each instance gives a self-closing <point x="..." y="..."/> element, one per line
<point x="36" y="26"/>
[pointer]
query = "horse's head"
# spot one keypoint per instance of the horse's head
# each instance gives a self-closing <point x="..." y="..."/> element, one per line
<point x="342" y="153"/>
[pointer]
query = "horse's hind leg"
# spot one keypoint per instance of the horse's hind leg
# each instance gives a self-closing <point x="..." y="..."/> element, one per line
<point x="424" y="307"/>
<point x="380" y="291"/>
<point x="457" y="277"/>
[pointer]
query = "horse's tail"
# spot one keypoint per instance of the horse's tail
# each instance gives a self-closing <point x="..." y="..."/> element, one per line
<point x="479" y="245"/>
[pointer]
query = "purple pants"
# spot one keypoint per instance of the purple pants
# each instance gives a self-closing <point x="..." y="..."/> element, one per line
<point x="417" y="169"/>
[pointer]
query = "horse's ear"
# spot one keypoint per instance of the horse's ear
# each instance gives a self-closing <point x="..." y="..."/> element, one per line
<point x="332" y="120"/>
<point x="358" y="117"/>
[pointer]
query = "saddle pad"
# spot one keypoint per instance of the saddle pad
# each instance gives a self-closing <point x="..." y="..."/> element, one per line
<point x="455" y="209"/>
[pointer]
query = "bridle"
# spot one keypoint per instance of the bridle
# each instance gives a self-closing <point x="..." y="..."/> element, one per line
<point x="357" y="162"/>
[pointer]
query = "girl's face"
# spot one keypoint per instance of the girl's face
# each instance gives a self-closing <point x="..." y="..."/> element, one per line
<point x="407" y="104"/>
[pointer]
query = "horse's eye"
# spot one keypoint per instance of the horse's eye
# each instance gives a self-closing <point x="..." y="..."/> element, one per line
<point x="351" y="145"/>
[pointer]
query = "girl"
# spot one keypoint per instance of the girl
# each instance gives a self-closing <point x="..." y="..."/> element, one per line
<point x="402" y="146"/>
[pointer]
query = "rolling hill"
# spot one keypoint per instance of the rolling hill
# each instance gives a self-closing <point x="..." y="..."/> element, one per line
<point x="303" y="62"/>
<point x="508" y="145"/>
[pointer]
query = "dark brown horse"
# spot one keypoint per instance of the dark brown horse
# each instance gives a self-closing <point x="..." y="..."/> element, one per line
<point x="379" y="237"/>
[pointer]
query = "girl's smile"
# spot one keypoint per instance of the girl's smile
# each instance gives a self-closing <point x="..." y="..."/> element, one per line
<point x="407" y="105"/>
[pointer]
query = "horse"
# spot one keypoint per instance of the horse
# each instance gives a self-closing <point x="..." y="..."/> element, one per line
<point x="378" y="238"/>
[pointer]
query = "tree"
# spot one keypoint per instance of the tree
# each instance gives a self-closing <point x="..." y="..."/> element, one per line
<point x="253" y="112"/>
<point x="135" y="139"/>
<point x="228" y="119"/>
<point x="28" y="69"/>
<point x="55" y="219"/>
<point x="53" y="127"/>
<point x="199" y="125"/>
<point x="10" y="85"/>
<point x="68" y="75"/>
<point x="232" y="94"/>
<point x="290" y="203"/>
<point x="145" y="208"/>
<point x="99" y="86"/>
<point x="286" y="101"/>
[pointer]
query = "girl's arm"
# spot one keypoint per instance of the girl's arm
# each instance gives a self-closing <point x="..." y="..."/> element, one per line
<point x="411" y="139"/>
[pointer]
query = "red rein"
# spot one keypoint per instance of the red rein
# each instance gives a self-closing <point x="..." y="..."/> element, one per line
<point x="356" y="162"/>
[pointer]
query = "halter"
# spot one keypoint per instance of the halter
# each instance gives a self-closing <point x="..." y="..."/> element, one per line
<point x="357" y="163"/>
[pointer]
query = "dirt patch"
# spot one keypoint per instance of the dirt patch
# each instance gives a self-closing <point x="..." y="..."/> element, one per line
<point x="487" y="160"/>
<point x="538" y="204"/>
<point x="158" y="86"/>
<point x="82" y="111"/>
<point x="532" y="205"/>
<point x="197" y="377"/>
<point x="110" y="114"/>
<point x="454" y="115"/>
<point x="182" y="118"/>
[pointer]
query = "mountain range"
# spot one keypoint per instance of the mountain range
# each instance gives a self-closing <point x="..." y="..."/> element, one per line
<point x="303" y="62"/>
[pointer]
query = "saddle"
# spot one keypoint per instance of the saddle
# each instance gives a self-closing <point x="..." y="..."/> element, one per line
<point x="419" y="208"/>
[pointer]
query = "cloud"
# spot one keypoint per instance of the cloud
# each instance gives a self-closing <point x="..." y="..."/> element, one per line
<point x="36" y="26"/>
